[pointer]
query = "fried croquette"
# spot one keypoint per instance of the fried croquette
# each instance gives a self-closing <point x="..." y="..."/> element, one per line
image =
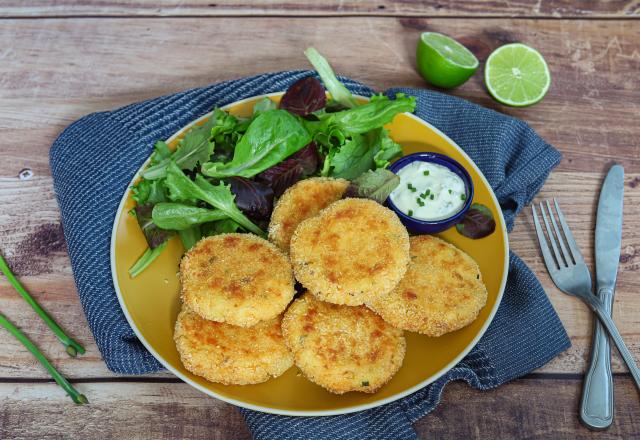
<point x="342" y="348"/>
<point x="350" y="252"/>
<point x="240" y="279"/>
<point x="303" y="200"/>
<point x="229" y="354"/>
<point x="441" y="292"/>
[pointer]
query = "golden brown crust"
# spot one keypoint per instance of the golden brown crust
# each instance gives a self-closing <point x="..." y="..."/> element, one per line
<point x="303" y="200"/>
<point x="240" y="279"/>
<point x="229" y="354"/>
<point x="342" y="348"/>
<point x="441" y="292"/>
<point x="351" y="252"/>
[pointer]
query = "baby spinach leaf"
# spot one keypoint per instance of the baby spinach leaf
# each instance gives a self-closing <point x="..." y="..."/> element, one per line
<point x="339" y="92"/>
<point x="225" y="226"/>
<point x="181" y="188"/>
<point x="477" y="223"/>
<point x="375" y="185"/>
<point x="190" y="236"/>
<point x="265" y="104"/>
<point x="152" y="233"/>
<point x="272" y="137"/>
<point x="179" y="216"/>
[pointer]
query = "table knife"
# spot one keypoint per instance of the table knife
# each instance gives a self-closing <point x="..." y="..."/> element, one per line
<point x="596" y="407"/>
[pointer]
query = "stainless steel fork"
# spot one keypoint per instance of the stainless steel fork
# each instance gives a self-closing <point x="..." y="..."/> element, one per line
<point x="569" y="272"/>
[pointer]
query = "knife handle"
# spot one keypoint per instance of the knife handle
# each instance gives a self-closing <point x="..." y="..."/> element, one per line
<point x="596" y="406"/>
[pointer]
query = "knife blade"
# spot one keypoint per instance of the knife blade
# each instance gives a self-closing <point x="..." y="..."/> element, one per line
<point x="609" y="228"/>
<point x="596" y="409"/>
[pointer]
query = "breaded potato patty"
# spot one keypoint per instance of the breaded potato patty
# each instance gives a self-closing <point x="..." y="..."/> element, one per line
<point x="240" y="279"/>
<point x="350" y="252"/>
<point x="230" y="354"/>
<point x="303" y="200"/>
<point x="442" y="290"/>
<point x="342" y="348"/>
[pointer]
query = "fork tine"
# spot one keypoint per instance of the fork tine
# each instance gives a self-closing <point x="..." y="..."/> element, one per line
<point x="575" y="250"/>
<point x="561" y="262"/>
<point x="552" y="266"/>
<point x="565" y="253"/>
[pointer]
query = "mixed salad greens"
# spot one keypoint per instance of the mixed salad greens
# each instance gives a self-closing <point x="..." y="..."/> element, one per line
<point x="226" y="173"/>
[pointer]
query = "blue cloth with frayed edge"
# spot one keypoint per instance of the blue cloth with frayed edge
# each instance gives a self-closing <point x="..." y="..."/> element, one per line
<point x="94" y="159"/>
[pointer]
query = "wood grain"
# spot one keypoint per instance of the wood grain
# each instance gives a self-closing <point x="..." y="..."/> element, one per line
<point x="526" y="409"/>
<point x="469" y="8"/>
<point x="139" y="410"/>
<point x="53" y="71"/>
<point x="119" y="410"/>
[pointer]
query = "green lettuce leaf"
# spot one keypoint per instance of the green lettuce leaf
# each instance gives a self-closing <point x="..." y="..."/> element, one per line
<point x="339" y="92"/>
<point x="183" y="189"/>
<point x="361" y="153"/>
<point x="272" y="137"/>
<point x="375" y="185"/>
<point x="352" y="159"/>
<point x="179" y="216"/>
<point x="374" y="114"/>
<point x="195" y="147"/>
<point x="146" y="259"/>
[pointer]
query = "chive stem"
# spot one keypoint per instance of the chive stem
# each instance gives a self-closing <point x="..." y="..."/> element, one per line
<point x="71" y="346"/>
<point x="76" y="396"/>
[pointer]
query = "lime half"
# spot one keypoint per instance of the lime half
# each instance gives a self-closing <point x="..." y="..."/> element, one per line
<point x="517" y="75"/>
<point x="443" y="61"/>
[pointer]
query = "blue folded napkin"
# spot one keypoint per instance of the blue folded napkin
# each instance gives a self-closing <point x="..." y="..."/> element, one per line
<point x="94" y="159"/>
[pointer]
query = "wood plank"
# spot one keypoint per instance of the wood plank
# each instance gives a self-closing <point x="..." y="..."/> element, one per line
<point x="55" y="71"/>
<point x="117" y="411"/>
<point x="433" y="8"/>
<point x="525" y="408"/>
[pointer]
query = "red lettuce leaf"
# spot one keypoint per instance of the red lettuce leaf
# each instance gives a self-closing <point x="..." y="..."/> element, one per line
<point x="304" y="96"/>
<point x="254" y="199"/>
<point x="301" y="164"/>
<point x="478" y="222"/>
<point x="153" y="234"/>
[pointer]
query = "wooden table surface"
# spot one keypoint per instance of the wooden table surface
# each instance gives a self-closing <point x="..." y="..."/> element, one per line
<point x="62" y="59"/>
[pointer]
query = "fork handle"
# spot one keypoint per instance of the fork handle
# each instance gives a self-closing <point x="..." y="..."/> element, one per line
<point x="608" y="323"/>
<point x="596" y="406"/>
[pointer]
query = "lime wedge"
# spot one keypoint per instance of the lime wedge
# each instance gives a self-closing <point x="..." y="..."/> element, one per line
<point x="443" y="61"/>
<point x="517" y="75"/>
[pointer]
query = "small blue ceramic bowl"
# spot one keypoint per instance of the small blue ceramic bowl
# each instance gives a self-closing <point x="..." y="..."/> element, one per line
<point x="431" y="227"/>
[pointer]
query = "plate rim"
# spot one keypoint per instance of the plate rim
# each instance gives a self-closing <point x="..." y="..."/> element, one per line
<point x="306" y="413"/>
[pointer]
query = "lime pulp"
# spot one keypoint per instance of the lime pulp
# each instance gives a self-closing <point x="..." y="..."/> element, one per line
<point x="517" y="75"/>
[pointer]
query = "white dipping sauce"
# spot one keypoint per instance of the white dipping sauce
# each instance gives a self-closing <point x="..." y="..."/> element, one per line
<point x="429" y="191"/>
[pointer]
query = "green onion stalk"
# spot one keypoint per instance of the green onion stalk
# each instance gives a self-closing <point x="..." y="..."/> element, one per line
<point x="77" y="397"/>
<point x="71" y="346"/>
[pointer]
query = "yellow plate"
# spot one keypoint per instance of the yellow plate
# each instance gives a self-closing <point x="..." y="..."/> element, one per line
<point x="151" y="301"/>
